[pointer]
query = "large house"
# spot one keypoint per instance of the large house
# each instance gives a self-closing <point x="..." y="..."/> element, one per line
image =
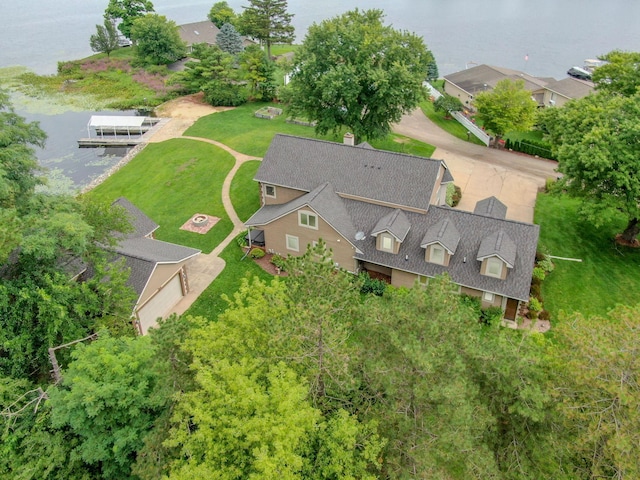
<point x="546" y="92"/>
<point x="158" y="270"/>
<point x="385" y="212"/>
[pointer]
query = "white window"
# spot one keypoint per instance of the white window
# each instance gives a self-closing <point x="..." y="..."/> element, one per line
<point x="307" y="219"/>
<point x="270" y="191"/>
<point x="386" y="243"/>
<point x="293" y="243"/>
<point x="494" y="267"/>
<point x="488" y="297"/>
<point x="437" y="254"/>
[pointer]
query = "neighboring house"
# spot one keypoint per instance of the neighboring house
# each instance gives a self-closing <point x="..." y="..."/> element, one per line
<point x="559" y="92"/>
<point x="481" y="78"/>
<point x="203" y="32"/>
<point x="385" y="212"/>
<point x="158" y="269"/>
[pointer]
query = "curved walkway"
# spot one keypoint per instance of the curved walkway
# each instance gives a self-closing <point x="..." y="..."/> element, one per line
<point x="206" y="267"/>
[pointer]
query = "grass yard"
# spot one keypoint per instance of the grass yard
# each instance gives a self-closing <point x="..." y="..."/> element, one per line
<point x="608" y="275"/>
<point x="242" y="131"/>
<point x="210" y="303"/>
<point x="170" y="182"/>
<point x="450" y="126"/>
<point x="244" y="192"/>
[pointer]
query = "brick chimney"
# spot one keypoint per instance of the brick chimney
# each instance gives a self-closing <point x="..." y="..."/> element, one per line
<point x="349" y="139"/>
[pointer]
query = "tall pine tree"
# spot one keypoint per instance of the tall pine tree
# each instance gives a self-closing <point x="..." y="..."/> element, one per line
<point x="229" y="40"/>
<point x="268" y="21"/>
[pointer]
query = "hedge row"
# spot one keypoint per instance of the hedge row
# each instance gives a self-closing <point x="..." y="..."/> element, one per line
<point x="531" y="147"/>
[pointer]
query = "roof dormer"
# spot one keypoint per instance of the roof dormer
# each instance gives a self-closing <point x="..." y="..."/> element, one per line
<point x="440" y="242"/>
<point x="391" y="230"/>
<point x="497" y="253"/>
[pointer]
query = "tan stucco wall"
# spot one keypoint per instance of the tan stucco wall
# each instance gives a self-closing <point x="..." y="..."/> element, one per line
<point x="161" y="275"/>
<point x="403" y="279"/>
<point x="454" y="91"/>
<point x="483" y="268"/>
<point x="276" y="231"/>
<point x="283" y="195"/>
<point x="497" y="299"/>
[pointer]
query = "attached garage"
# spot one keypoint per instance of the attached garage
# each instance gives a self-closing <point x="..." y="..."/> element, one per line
<point x="160" y="303"/>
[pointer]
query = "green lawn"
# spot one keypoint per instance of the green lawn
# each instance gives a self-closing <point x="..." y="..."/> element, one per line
<point x="608" y="274"/>
<point x="242" y="131"/>
<point x="450" y="126"/>
<point x="170" y="182"/>
<point x="210" y="303"/>
<point x="245" y="195"/>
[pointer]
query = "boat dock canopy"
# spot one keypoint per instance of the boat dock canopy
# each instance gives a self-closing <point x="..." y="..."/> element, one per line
<point x="114" y="124"/>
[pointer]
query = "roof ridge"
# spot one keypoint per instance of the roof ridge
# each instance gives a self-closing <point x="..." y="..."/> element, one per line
<point x="445" y="223"/>
<point x="453" y="210"/>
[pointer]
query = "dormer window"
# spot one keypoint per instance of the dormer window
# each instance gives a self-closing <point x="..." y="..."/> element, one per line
<point x="270" y="191"/>
<point x="386" y="242"/>
<point x="494" y="267"/>
<point x="437" y="254"/>
<point x="308" y="219"/>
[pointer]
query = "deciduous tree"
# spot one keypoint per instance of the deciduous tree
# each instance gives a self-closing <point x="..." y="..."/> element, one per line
<point x="221" y="13"/>
<point x="595" y="140"/>
<point x="352" y="71"/>
<point x="268" y="21"/>
<point x="259" y="72"/>
<point x="620" y="75"/>
<point x="157" y="39"/>
<point x="507" y="108"/>
<point x="105" y="40"/>
<point x="127" y="11"/>
<point x="109" y="398"/>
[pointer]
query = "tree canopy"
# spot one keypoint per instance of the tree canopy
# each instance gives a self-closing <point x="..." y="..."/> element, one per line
<point x="268" y="21"/>
<point x="229" y="40"/>
<point x="127" y="11"/>
<point x="158" y="41"/>
<point x="105" y="40"/>
<point x="620" y="75"/>
<point x="596" y="142"/>
<point x="221" y="13"/>
<point x="507" y="108"/>
<point x="352" y="71"/>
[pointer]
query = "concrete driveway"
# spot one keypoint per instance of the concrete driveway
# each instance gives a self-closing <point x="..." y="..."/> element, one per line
<point x="481" y="172"/>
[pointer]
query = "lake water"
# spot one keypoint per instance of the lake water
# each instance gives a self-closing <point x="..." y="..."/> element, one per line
<point x="553" y="34"/>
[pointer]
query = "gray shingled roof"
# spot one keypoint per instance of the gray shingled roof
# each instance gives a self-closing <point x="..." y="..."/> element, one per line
<point x="323" y="200"/>
<point x="498" y="244"/>
<point x="141" y="253"/>
<point x="395" y="222"/>
<point x="199" y="32"/>
<point x="491" y="207"/>
<point x="443" y="232"/>
<point x="485" y="77"/>
<point x="142" y="225"/>
<point x="463" y="267"/>
<point x="447" y="177"/>
<point x="571" y="87"/>
<point x="393" y="178"/>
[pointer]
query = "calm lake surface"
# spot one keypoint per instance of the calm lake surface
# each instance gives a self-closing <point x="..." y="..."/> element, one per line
<point x="554" y="34"/>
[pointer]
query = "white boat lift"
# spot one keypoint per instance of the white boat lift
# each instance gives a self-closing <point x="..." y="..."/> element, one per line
<point x="116" y="125"/>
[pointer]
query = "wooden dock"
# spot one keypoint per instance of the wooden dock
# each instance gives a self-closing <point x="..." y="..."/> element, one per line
<point x="109" y="142"/>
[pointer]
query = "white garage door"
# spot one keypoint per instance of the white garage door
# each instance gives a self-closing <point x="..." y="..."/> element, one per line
<point x="160" y="304"/>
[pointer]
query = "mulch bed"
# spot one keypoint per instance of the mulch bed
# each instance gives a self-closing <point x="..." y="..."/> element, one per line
<point x="267" y="266"/>
<point x="625" y="243"/>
